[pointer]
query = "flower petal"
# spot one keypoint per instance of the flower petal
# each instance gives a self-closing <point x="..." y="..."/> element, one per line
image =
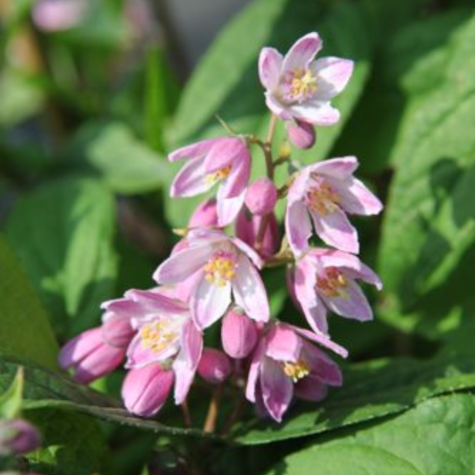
<point x="224" y="153"/>
<point x="196" y="150"/>
<point x="302" y="52"/>
<point x="209" y="302"/>
<point x="340" y="168"/>
<point x="155" y="301"/>
<point x="332" y="75"/>
<point x="298" y="227"/>
<point x="277" y="389"/>
<point x="139" y="356"/>
<point x="228" y="208"/>
<point x="322" y="366"/>
<point x="254" y="372"/>
<point x="277" y="108"/>
<point x="355" y="197"/>
<point x="323" y="340"/>
<point x="310" y="389"/>
<point x="249" y="291"/>
<point x="191" y="180"/>
<point x="270" y="63"/>
<point x="238" y="178"/>
<point x="181" y="265"/>
<point x="283" y="344"/>
<point x="335" y="230"/>
<point x="352" y="305"/>
<point x="248" y="251"/>
<point x="315" y="112"/>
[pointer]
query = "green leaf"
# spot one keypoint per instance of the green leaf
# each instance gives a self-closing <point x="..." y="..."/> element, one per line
<point x="371" y="390"/>
<point x="436" y="437"/>
<point x="226" y="81"/>
<point x="63" y="234"/>
<point x="428" y="248"/>
<point x="26" y="331"/>
<point x="109" y="150"/>
<point x="11" y="399"/>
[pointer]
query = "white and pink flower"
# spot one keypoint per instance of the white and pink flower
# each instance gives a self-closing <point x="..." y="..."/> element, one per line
<point x="286" y="363"/>
<point x="225" y="269"/>
<point x="298" y="87"/>
<point x="324" y="280"/>
<point x="225" y="160"/>
<point x="323" y="194"/>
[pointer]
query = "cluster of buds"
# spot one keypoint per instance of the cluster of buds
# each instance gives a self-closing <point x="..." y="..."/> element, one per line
<point x="214" y="275"/>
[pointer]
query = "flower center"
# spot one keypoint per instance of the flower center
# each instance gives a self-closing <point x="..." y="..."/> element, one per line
<point x="322" y="198"/>
<point x="157" y="336"/>
<point x="296" y="371"/>
<point x="218" y="175"/>
<point x="332" y="283"/>
<point x="221" y="268"/>
<point x="299" y="85"/>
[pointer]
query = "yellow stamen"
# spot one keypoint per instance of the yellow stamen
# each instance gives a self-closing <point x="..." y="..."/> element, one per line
<point x="323" y="199"/>
<point x="220" y="269"/>
<point x="296" y="371"/>
<point x="156" y="336"/>
<point x="219" y="175"/>
<point x="332" y="283"/>
<point x="303" y="83"/>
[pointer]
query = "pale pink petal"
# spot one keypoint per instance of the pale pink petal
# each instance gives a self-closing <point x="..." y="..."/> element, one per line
<point x="298" y="227"/>
<point x="191" y="180"/>
<point x="254" y="372"/>
<point x="332" y="75"/>
<point x="246" y="249"/>
<point x="283" y="344"/>
<point x="323" y="340"/>
<point x="322" y="366"/>
<point x="181" y="265"/>
<point x="302" y="52"/>
<point x="124" y="307"/>
<point x="335" y="230"/>
<point x="238" y="178"/>
<point x="249" y="291"/>
<point x="196" y="150"/>
<point x="228" y="208"/>
<point x="352" y="305"/>
<point x="277" y="108"/>
<point x="310" y="389"/>
<point x="299" y="186"/>
<point x="156" y="301"/>
<point x="315" y="112"/>
<point x="340" y="168"/>
<point x="355" y="197"/>
<point x="139" y="356"/>
<point x="270" y="63"/>
<point x="209" y="302"/>
<point x="277" y="389"/>
<point x="224" y="153"/>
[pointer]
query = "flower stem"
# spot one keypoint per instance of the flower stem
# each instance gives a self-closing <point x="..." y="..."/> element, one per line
<point x="186" y="414"/>
<point x="213" y="410"/>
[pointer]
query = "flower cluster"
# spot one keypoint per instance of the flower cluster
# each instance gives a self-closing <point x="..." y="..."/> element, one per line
<point x="215" y="275"/>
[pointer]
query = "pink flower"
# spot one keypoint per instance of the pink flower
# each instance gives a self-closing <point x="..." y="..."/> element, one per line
<point x="238" y="334"/>
<point x="145" y="390"/>
<point x="225" y="268"/>
<point x="286" y="363"/>
<point x="57" y="15"/>
<point x="324" y="280"/>
<point x="300" y="87"/>
<point x="247" y="228"/>
<point x="214" y="366"/>
<point x="166" y="336"/>
<point x="117" y="330"/>
<point x="323" y="193"/>
<point x="89" y="356"/>
<point x="224" y="160"/>
<point x="18" y="436"/>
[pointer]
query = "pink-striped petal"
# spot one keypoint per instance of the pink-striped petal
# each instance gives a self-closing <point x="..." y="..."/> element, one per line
<point x="335" y="230"/>
<point x="249" y="291"/>
<point x="196" y="150"/>
<point x="283" y="344"/>
<point x="238" y="178"/>
<point x="270" y="63"/>
<point x="228" y="208"/>
<point x="209" y="303"/>
<point x="277" y="389"/>
<point x="302" y="52"/>
<point x="224" y="153"/>
<point x="332" y="75"/>
<point x="310" y="389"/>
<point x="315" y="112"/>
<point x="254" y="372"/>
<point x="323" y="340"/>
<point x="191" y="180"/>
<point x="322" y="366"/>
<point x="298" y="227"/>
<point x="277" y="108"/>
<point x="340" y="168"/>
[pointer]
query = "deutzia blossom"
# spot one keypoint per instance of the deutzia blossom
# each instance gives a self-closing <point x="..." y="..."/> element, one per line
<point x="224" y="160"/>
<point x="300" y="87"/>
<point x="286" y="363"/>
<point x="323" y="193"/>
<point x="325" y="280"/>
<point x="225" y="269"/>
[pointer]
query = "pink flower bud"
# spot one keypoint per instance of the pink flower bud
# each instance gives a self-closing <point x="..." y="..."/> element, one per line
<point x="301" y="134"/>
<point x="89" y="356"/>
<point x="117" y="331"/>
<point x="214" y="366"/>
<point x="205" y="216"/>
<point x="261" y="197"/>
<point x="238" y="334"/>
<point x="247" y="229"/>
<point x="18" y="436"/>
<point x="146" y="389"/>
<point x="57" y="15"/>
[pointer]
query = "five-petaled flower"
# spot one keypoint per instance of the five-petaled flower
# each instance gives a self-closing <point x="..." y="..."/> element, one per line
<point x="298" y="86"/>
<point x="323" y="193"/>
<point x="224" y="160"/>
<point x="323" y="280"/>
<point x="286" y="363"/>
<point x="226" y="268"/>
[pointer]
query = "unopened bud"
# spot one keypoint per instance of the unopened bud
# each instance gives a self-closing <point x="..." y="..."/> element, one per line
<point x="301" y="134"/>
<point x="261" y="197"/>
